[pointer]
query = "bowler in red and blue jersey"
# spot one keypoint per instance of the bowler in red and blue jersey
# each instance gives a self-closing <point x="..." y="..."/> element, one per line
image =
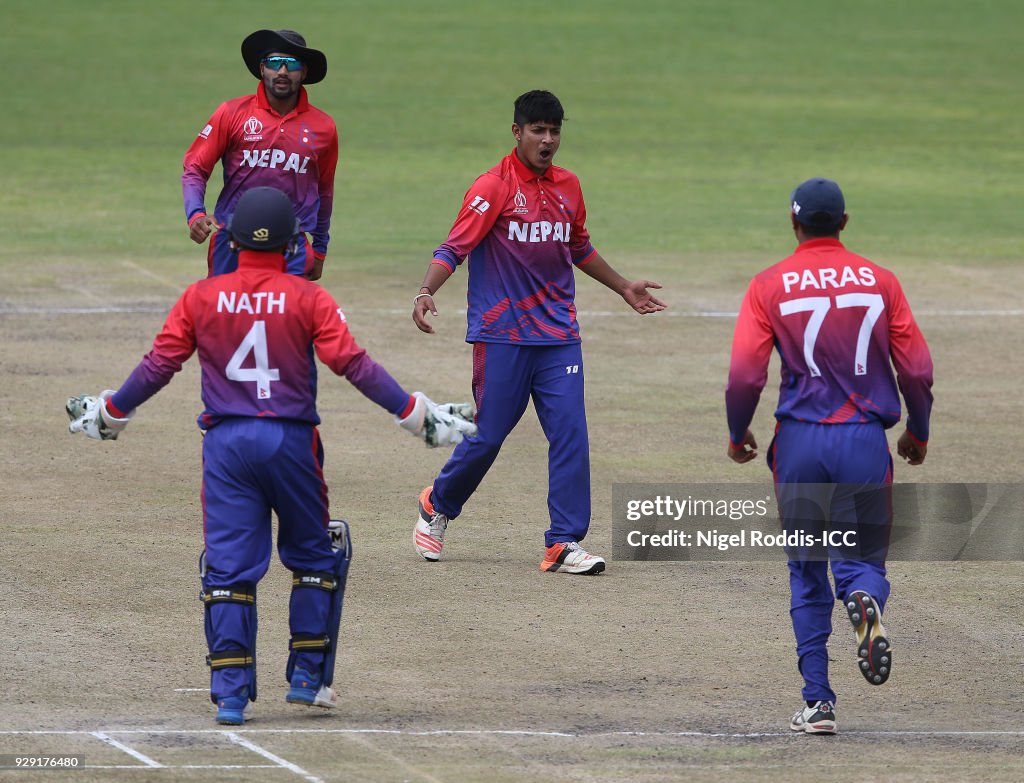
<point x="840" y="323"/>
<point x="522" y="227"/>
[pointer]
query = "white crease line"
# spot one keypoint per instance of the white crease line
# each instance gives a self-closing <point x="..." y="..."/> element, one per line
<point x="270" y="756"/>
<point x="183" y="766"/>
<point x="530" y="732"/>
<point x="130" y="751"/>
<point x="191" y="690"/>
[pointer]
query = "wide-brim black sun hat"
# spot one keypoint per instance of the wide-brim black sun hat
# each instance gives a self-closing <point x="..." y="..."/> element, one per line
<point x="261" y="43"/>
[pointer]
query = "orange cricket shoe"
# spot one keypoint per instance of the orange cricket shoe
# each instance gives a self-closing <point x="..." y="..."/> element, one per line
<point x="570" y="558"/>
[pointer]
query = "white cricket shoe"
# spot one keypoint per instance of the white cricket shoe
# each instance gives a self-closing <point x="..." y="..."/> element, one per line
<point x="819" y="719"/>
<point x="428" y="535"/>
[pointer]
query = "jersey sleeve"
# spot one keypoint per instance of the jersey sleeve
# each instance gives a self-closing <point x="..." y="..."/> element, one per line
<point x="200" y="158"/>
<point x="580" y="247"/>
<point x="328" y="168"/>
<point x="748" y="367"/>
<point x="337" y="348"/>
<point x="481" y="207"/>
<point x="172" y="347"/>
<point x="913" y="363"/>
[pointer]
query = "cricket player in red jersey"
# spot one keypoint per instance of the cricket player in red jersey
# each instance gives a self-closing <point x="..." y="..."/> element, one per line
<point x="840" y="324"/>
<point x="256" y="331"/>
<point x="523" y="227"/>
<point x="274" y="138"/>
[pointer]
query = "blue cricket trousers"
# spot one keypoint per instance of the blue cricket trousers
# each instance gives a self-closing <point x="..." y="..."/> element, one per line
<point x="250" y="467"/>
<point x="221" y="259"/>
<point x="505" y="378"/>
<point x="846" y="470"/>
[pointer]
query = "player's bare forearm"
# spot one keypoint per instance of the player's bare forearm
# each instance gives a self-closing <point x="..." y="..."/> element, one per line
<point x="634" y="292"/>
<point x="423" y="303"/>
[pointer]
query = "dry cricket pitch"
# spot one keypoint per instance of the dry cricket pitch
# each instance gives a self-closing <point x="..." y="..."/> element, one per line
<point x="480" y="667"/>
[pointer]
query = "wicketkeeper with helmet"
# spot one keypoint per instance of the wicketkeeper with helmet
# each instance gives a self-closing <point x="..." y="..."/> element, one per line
<point x="256" y="330"/>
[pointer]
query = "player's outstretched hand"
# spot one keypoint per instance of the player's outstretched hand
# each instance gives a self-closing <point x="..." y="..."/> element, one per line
<point x="89" y="414"/>
<point x="640" y="299"/>
<point x="444" y="424"/>
<point x="911" y="449"/>
<point x="421" y="305"/>
<point x="746" y="451"/>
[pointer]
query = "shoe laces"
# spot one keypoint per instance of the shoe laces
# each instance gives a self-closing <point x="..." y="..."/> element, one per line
<point x="438" y="524"/>
<point x="576" y="553"/>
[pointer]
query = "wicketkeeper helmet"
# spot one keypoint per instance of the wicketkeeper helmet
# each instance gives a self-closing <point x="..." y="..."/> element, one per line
<point x="263" y="220"/>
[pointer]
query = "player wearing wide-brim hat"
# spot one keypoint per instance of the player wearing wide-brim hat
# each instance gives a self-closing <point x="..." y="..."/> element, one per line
<point x="271" y="138"/>
<point x="263" y="42"/>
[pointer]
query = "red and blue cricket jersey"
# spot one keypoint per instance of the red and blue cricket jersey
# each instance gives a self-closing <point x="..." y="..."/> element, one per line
<point x="256" y="331"/>
<point x="257" y="147"/>
<point x="523" y="233"/>
<point x="837" y="320"/>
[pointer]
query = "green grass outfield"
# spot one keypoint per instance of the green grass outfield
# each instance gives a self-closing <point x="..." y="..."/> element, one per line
<point x="688" y="122"/>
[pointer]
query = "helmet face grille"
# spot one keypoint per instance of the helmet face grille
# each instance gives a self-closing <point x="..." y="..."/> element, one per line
<point x="263" y="220"/>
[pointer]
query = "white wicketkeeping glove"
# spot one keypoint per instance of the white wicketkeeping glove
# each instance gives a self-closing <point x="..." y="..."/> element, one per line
<point x="89" y="414"/>
<point x="439" y="425"/>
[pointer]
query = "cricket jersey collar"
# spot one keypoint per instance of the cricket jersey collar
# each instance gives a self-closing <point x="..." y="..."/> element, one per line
<point x="258" y="259"/>
<point x="819" y="243"/>
<point x="264" y="103"/>
<point x="525" y="172"/>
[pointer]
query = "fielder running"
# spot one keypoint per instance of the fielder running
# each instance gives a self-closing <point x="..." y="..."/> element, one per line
<point x="837" y="320"/>
<point x="274" y="138"/>
<point x="523" y="227"/>
<point x="256" y="330"/>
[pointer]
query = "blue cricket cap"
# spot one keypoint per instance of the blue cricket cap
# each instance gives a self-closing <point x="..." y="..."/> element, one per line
<point x="818" y="203"/>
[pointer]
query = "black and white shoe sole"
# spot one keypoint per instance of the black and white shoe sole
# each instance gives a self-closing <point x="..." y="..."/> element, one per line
<point x="873" y="649"/>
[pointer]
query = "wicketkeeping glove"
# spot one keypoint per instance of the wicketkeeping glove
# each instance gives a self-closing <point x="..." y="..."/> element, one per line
<point x="89" y="414"/>
<point x="439" y="425"/>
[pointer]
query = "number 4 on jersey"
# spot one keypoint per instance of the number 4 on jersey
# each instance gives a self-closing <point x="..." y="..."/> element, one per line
<point x="255" y="342"/>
